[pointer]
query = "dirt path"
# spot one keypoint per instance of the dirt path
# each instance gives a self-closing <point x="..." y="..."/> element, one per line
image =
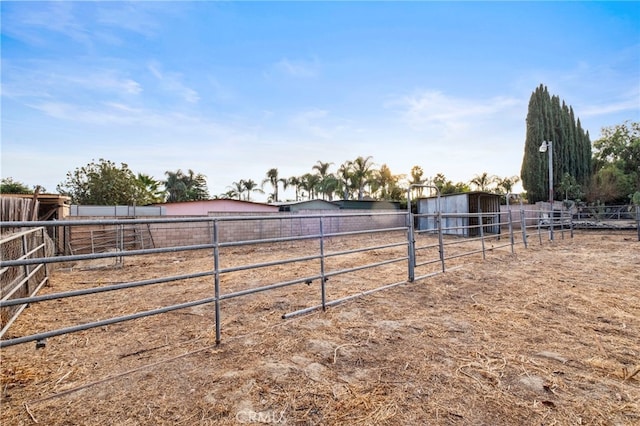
<point x="549" y="335"/>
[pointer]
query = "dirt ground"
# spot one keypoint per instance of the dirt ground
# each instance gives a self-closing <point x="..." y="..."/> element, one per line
<point x="549" y="335"/>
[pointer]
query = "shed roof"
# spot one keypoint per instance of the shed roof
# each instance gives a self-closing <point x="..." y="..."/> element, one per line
<point x="316" y="204"/>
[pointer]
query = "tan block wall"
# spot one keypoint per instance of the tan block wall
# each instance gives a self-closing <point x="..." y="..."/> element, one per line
<point x="282" y="225"/>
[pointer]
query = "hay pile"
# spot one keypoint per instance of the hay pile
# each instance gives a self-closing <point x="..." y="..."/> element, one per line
<point x="547" y="336"/>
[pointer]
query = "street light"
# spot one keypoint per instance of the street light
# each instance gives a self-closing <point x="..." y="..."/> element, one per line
<point x="546" y="145"/>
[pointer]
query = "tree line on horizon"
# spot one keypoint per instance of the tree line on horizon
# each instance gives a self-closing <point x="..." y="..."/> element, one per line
<point x="105" y="183"/>
<point x="607" y="171"/>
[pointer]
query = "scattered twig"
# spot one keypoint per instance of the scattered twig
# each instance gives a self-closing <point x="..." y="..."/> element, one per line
<point x="600" y="347"/>
<point x="141" y="351"/>
<point x="62" y="378"/>
<point x="115" y="376"/>
<point x="635" y="371"/>
<point x="335" y="352"/>
<point x="29" y="412"/>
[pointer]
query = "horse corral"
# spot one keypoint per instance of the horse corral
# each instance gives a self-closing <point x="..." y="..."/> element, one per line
<point x="548" y="335"/>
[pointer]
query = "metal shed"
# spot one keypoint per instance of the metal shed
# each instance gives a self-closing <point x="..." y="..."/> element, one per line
<point x="460" y="213"/>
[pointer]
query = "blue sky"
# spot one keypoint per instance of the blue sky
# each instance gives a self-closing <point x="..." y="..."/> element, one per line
<point x="232" y="89"/>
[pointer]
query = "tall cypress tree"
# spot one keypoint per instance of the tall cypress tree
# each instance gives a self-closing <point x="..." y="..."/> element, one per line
<point x="550" y="119"/>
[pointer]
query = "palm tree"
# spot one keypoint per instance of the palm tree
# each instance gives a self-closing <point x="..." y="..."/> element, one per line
<point x="151" y="189"/>
<point x="296" y="183"/>
<point x="237" y="189"/>
<point x="385" y="184"/>
<point x="196" y="186"/>
<point x="230" y="194"/>
<point x="322" y="168"/>
<point x="251" y="186"/>
<point x="323" y="172"/>
<point x="483" y="182"/>
<point x="272" y="178"/>
<point x="361" y="174"/>
<point x="345" y="180"/>
<point x="175" y="187"/>
<point x="416" y="179"/>
<point x="506" y="184"/>
<point x="310" y="183"/>
<point x="329" y="186"/>
<point x="185" y="187"/>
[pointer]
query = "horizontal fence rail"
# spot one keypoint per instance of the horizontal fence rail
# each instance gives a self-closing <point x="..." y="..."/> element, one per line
<point x="420" y="242"/>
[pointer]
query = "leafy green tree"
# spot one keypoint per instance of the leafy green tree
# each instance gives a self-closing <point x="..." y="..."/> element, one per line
<point x="570" y="188"/>
<point x="103" y="183"/>
<point x="610" y="185"/>
<point x="185" y="187"/>
<point x="10" y="186"/>
<point x="616" y="162"/>
<point x="548" y="119"/>
<point x="619" y="145"/>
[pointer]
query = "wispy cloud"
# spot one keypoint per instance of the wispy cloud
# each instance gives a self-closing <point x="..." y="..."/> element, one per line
<point x="434" y="109"/>
<point x="107" y="80"/>
<point x="106" y="114"/>
<point x="298" y="68"/>
<point x="581" y="85"/>
<point x="86" y="24"/>
<point x="34" y="25"/>
<point x="172" y="82"/>
<point x="318" y="123"/>
<point x="43" y="79"/>
<point x="310" y="121"/>
<point x="137" y="17"/>
<point x="632" y="105"/>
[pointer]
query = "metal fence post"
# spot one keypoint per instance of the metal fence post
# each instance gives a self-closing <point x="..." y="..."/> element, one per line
<point x="539" y="230"/>
<point x="411" y="239"/>
<point x="440" y="240"/>
<point x="25" y="250"/>
<point x="510" y="229"/>
<point x="638" y="220"/>
<point x="481" y="230"/>
<point x="44" y="251"/>
<point x="216" y="279"/>
<point x="322" y="277"/>
<point x="523" y="225"/>
<point x="562" y="221"/>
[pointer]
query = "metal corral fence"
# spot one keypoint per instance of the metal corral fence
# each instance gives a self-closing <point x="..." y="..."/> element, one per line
<point x="24" y="280"/>
<point x="407" y="245"/>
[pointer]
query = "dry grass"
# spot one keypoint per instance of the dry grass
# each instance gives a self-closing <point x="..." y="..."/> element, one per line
<point x="547" y="336"/>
